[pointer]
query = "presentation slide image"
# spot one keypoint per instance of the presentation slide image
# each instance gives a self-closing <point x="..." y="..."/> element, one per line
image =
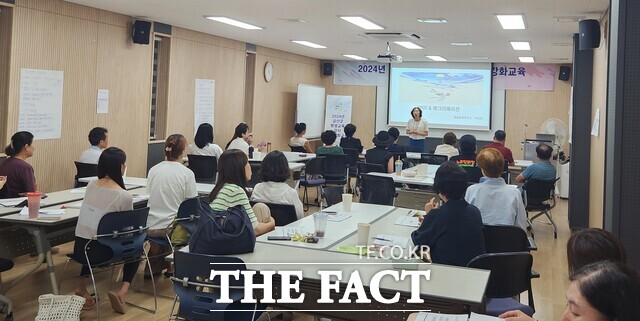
<point x="459" y="89"/>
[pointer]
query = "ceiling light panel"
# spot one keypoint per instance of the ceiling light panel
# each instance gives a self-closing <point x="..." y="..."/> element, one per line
<point x="234" y="23"/>
<point x="436" y="58"/>
<point x="432" y="20"/>
<point x="408" y="44"/>
<point x="355" y="57"/>
<point x="362" y="22"/>
<point x="309" y="44"/>
<point x="520" y="45"/>
<point x="526" y="59"/>
<point x="511" y="21"/>
<point x="461" y="44"/>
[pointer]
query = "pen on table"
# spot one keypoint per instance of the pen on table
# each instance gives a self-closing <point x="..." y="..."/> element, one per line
<point x="330" y="212"/>
<point x="381" y="239"/>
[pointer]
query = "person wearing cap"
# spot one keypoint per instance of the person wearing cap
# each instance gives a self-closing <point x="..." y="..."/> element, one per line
<point x="379" y="154"/>
<point x="448" y="148"/>
<point x="467" y="157"/>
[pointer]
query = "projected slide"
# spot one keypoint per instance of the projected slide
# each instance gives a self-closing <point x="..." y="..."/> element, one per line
<point x="449" y="98"/>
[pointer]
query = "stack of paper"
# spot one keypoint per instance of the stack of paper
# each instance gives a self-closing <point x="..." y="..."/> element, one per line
<point x="408" y="221"/>
<point x="391" y="240"/>
<point x="288" y="231"/>
<point x="338" y="217"/>
<point x="10" y="202"/>
<point x="44" y="211"/>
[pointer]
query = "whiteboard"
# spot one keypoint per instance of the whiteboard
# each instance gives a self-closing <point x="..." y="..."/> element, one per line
<point x="310" y="109"/>
<point x="41" y="102"/>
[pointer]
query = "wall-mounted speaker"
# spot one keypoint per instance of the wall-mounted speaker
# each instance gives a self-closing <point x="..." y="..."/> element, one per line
<point x="589" y="34"/>
<point x="565" y="73"/>
<point x="327" y="68"/>
<point x="141" y="32"/>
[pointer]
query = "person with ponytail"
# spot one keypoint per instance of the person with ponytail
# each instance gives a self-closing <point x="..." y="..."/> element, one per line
<point x="241" y="139"/>
<point x="169" y="183"/>
<point x="105" y="195"/>
<point x="20" y="177"/>
<point x="298" y="139"/>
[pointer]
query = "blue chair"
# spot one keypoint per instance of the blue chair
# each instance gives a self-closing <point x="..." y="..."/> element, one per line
<point x="312" y="178"/>
<point x="124" y="233"/>
<point x="198" y="294"/>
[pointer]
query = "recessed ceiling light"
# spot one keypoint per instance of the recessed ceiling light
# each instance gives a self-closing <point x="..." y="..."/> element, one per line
<point x="461" y="44"/>
<point x="356" y="57"/>
<point x="293" y="20"/>
<point x="436" y="58"/>
<point x="309" y="44"/>
<point x="408" y="44"/>
<point x="362" y="22"/>
<point x="560" y="59"/>
<point x="234" y="23"/>
<point x="520" y="45"/>
<point x="432" y="20"/>
<point x="511" y="21"/>
<point x="526" y="59"/>
<point x="479" y="57"/>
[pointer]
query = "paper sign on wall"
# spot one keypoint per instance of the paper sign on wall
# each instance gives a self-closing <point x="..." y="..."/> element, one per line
<point x="338" y="113"/>
<point x="103" y="101"/>
<point x="41" y="102"/>
<point x="204" y="102"/>
<point x="524" y="76"/>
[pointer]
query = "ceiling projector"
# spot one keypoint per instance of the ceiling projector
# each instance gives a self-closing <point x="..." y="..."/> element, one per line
<point x="389" y="58"/>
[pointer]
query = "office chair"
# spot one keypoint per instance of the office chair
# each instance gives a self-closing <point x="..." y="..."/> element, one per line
<point x="378" y="190"/>
<point x="298" y="149"/>
<point x="507" y="238"/>
<point x="124" y="233"/>
<point x="364" y="168"/>
<point x="335" y="170"/>
<point x="6" y="307"/>
<point x="433" y="159"/>
<point x="312" y="178"/>
<point x="538" y="193"/>
<point x="332" y="194"/>
<point x="510" y="276"/>
<point x="204" y="168"/>
<point x="84" y="170"/>
<point x="198" y="293"/>
<point x="255" y="174"/>
<point x="474" y="174"/>
<point x="283" y="214"/>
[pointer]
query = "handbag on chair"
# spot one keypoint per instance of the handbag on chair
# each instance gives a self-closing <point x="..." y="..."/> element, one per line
<point x="223" y="232"/>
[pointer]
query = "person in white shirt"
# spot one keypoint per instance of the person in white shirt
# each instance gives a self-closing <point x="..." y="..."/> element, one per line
<point x="448" y="148"/>
<point x="105" y="195"/>
<point x="204" y="142"/>
<point x="499" y="203"/>
<point x="241" y="139"/>
<point x="417" y="129"/>
<point x="99" y="139"/>
<point x="169" y="183"/>
<point x="298" y="139"/>
<point x="274" y="173"/>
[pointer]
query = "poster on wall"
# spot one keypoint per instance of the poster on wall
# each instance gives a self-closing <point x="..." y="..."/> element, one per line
<point x="204" y="102"/>
<point x="338" y="113"/>
<point x="360" y="73"/>
<point x="524" y="76"/>
<point x="41" y="102"/>
<point x="103" y="101"/>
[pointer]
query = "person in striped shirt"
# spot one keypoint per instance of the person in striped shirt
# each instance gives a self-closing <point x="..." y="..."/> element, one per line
<point x="231" y="190"/>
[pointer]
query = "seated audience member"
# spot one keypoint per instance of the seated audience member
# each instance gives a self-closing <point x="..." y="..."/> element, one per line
<point x="542" y="169"/>
<point x="99" y="140"/>
<point x="241" y="139"/>
<point x="20" y="177"/>
<point x="498" y="143"/>
<point x="379" y="154"/>
<point x="593" y="245"/>
<point x="453" y="231"/>
<point x="204" y="142"/>
<point x="328" y="138"/>
<point x="231" y="189"/>
<point x="298" y="139"/>
<point x="448" y="148"/>
<point x="274" y="173"/>
<point x="602" y="291"/>
<point x="499" y="203"/>
<point x="105" y="195"/>
<point x="169" y="183"/>
<point x="467" y="156"/>
<point x="394" y="148"/>
<point x="349" y="141"/>
<point x="3" y="180"/>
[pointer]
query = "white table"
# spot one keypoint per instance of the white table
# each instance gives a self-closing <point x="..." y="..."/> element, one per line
<point x="522" y="163"/>
<point x="202" y="188"/>
<point x="294" y="157"/>
<point x="336" y="231"/>
<point x="417" y="180"/>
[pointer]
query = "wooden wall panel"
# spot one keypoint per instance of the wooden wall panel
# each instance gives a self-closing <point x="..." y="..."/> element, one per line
<point x="6" y="27"/>
<point x="533" y="108"/>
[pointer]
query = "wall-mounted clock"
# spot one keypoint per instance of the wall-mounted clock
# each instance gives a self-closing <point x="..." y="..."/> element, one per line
<point x="268" y="71"/>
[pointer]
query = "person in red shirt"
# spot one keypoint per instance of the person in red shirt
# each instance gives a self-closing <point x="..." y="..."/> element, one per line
<point x="498" y="143"/>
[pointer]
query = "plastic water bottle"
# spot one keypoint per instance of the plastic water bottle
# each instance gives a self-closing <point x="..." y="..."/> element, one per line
<point x="399" y="167"/>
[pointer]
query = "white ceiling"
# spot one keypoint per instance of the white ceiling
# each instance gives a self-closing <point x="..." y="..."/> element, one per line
<point x="468" y="21"/>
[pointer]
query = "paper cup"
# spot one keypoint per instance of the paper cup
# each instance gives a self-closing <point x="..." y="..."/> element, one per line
<point x="347" y="199"/>
<point x="363" y="234"/>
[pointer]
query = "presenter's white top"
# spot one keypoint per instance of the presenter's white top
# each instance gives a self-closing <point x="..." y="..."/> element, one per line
<point x="168" y="184"/>
<point x="421" y="126"/>
<point x="208" y="150"/>
<point x="91" y="155"/>
<point x="240" y="144"/>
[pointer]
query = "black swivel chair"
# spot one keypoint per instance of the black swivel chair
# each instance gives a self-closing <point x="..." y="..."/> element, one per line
<point x="5" y="304"/>
<point x="540" y="196"/>
<point x="335" y="170"/>
<point x="364" y="168"/>
<point x="507" y="238"/>
<point x="332" y="194"/>
<point x="510" y="276"/>
<point x="204" y="168"/>
<point x="378" y="190"/>
<point x="433" y="159"/>
<point x="84" y="170"/>
<point x="298" y="149"/>
<point x="283" y="214"/>
<point x="255" y="174"/>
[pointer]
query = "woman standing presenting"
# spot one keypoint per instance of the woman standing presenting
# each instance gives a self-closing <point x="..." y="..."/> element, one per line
<point x="417" y="129"/>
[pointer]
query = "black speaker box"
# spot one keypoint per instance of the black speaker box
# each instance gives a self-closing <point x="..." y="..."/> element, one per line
<point x="565" y="73"/>
<point x="327" y="68"/>
<point x="589" y="34"/>
<point x="141" y="32"/>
